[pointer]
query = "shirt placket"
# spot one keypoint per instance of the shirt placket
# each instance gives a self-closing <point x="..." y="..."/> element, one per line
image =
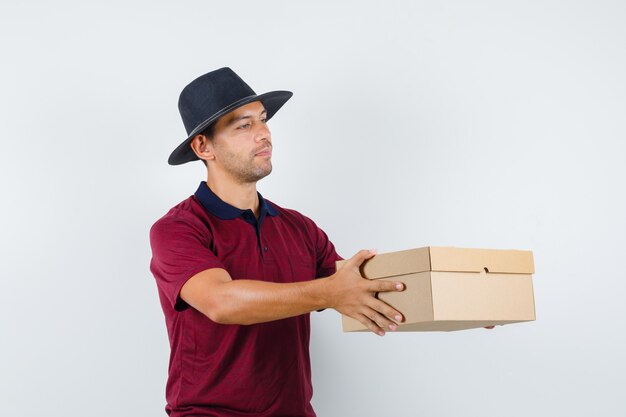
<point x="249" y="217"/>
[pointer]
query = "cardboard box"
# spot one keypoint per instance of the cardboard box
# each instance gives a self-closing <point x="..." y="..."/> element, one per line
<point x="454" y="288"/>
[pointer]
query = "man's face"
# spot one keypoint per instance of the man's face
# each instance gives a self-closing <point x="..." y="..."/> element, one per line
<point x="242" y="144"/>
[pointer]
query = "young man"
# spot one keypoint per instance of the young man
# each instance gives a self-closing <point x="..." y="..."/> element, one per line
<point x="236" y="273"/>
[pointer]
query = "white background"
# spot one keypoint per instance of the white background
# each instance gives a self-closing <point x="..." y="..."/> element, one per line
<point x="476" y="124"/>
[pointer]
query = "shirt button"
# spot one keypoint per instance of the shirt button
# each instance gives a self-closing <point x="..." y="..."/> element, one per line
<point x="265" y="249"/>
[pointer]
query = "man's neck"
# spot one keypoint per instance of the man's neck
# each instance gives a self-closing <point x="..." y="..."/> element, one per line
<point x="242" y="196"/>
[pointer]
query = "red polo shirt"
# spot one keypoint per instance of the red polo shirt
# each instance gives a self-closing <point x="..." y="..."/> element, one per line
<point x="235" y="370"/>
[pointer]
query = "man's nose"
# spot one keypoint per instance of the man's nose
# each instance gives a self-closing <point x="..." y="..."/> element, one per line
<point x="262" y="133"/>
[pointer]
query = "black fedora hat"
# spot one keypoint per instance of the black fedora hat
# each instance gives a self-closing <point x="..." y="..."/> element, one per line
<point x="211" y="96"/>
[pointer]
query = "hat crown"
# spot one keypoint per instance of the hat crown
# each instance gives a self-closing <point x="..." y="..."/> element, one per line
<point x="208" y="94"/>
<point x="211" y="96"/>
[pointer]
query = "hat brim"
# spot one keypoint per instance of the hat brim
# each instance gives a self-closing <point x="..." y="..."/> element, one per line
<point x="272" y="102"/>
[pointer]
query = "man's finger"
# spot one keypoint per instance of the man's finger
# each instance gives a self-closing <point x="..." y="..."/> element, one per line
<point x="370" y="324"/>
<point x="386" y="310"/>
<point x="381" y="321"/>
<point x="385" y="286"/>
<point x="359" y="258"/>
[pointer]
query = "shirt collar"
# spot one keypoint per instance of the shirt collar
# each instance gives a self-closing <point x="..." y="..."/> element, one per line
<point x="214" y="205"/>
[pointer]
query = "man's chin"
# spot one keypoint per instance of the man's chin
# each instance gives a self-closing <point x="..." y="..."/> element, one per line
<point x="265" y="174"/>
<point x="259" y="174"/>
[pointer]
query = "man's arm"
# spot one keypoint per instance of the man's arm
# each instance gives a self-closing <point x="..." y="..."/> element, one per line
<point x="224" y="300"/>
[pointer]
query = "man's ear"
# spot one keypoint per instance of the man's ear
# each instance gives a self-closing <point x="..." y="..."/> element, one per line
<point x="202" y="147"/>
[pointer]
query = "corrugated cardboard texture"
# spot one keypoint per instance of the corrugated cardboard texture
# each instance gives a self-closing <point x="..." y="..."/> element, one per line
<point x="434" y="258"/>
<point x="476" y="260"/>
<point x="415" y="302"/>
<point x="466" y="288"/>
<point x="487" y="297"/>
<point x="397" y="263"/>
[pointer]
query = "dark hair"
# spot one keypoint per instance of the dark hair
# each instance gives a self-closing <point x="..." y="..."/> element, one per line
<point x="208" y="131"/>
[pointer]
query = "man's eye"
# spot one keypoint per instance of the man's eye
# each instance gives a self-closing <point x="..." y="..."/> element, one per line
<point x="264" y="120"/>
<point x="244" y="126"/>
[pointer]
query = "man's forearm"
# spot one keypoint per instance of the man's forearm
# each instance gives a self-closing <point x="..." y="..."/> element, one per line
<point x="249" y="301"/>
<point x="224" y="300"/>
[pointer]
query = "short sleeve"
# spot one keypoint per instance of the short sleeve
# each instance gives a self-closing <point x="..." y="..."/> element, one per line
<point x="326" y="255"/>
<point x="180" y="250"/>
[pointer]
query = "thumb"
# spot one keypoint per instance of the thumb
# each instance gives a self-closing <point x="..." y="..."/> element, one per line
<point x="360" y="257"/>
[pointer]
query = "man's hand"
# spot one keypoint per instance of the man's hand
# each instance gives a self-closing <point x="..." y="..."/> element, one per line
<point x="355" y="296"/>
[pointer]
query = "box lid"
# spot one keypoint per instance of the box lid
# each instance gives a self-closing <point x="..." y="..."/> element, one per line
<point x="449" y="259"/>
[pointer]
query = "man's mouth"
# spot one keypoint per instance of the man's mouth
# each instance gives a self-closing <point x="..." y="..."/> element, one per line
<point x="264" y="152"/>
